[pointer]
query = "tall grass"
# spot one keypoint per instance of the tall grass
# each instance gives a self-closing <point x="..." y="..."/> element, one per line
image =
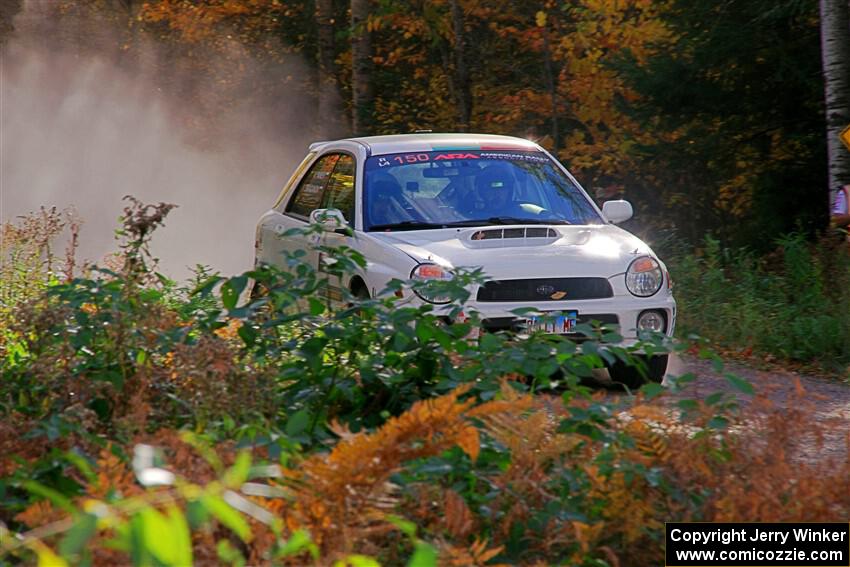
<point x="28" y="261"/>
<point x="793" y="304"/>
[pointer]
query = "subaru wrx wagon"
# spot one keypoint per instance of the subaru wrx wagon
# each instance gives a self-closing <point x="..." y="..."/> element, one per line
<point x="420" y="206"/>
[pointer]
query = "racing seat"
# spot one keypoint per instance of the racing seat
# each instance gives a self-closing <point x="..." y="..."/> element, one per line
<point x="387" y="204"/>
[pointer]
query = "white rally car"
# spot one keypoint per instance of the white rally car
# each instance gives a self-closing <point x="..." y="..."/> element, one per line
<point x="423" y="205"/>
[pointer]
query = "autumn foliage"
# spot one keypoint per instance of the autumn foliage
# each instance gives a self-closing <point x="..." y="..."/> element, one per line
<point x="145" y="421"/>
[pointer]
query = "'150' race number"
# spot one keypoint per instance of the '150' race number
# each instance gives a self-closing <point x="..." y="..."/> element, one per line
<point x="402" y="159"/>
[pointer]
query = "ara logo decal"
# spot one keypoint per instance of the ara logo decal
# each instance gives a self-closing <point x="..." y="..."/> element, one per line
<point x="456" y="156"/>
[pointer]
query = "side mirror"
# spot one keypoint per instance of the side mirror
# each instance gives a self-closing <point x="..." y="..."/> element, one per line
<point x="329" y="219"/>
<point x="617" y="211"/>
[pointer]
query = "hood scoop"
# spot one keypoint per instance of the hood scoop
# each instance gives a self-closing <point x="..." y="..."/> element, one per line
<point x="515" y="236"/>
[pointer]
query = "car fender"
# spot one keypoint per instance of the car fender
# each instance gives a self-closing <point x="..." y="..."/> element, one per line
<point x="385" y="262"/>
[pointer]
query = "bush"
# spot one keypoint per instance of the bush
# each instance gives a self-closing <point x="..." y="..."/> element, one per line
<point x="148" y="424"/>
<point x="792" y="304"/>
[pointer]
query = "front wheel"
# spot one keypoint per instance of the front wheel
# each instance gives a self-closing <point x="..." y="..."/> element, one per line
<point x="631" y="376"/>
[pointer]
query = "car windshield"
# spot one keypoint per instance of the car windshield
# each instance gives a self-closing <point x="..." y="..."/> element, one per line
<point x="422" y="190"/>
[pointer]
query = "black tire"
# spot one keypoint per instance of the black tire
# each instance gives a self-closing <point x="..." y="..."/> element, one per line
<point x="631" y="377"/>
<point x="656" y="367"/>
<point x="360" y="292"/>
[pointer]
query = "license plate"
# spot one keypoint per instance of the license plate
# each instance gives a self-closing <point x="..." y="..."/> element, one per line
<point x="562" y="324"/>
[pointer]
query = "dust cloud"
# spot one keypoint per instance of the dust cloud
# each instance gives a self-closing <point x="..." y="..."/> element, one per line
<point x="84" y="122"/>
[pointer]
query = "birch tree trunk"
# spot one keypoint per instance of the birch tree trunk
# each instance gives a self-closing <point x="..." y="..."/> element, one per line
<point x="835" y="52"/>
<point x="361" y="65"/>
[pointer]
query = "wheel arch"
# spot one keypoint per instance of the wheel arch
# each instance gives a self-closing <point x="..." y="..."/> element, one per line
<point x="357" y="283"/>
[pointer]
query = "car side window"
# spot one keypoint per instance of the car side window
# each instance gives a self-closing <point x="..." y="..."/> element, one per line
<point x="340" y="191"/>
<point x="308" y="195"/>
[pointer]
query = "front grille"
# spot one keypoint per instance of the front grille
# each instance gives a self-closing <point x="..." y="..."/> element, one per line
<point x="545" y="289"/>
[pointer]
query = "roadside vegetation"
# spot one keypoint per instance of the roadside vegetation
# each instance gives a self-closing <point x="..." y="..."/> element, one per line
<point x="788" y="306"/>
<point x="146" y="422"/>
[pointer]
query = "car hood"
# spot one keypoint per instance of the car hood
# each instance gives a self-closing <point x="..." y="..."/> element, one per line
<point x="517" y="251"/>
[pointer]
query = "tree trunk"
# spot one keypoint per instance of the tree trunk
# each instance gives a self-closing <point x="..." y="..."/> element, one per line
<point x="552" y="86"/>
<point x="462" y="89"/>
<point x="8" y="10"/>
<point x="835" y="52"/>
<point x="326" y="79"/>
<point x="361" y="65"/>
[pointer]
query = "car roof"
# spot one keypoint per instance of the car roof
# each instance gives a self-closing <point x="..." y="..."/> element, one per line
<point x="402" y="143"/>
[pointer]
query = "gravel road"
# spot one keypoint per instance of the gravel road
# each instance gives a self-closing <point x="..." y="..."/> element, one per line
<point x="827" y="401"/>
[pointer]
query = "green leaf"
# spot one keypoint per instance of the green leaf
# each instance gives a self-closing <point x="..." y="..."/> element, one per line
<point x="716" y="363"/>
<point x="153" y="537"/>
<point x="248" y="334"/>
<point x="404" y="526"/>
<point x="181" y="538"/>
<point x="357" y="561"/>
<point x="714" y="398"/>
<point x="424" y="555"/>
<point x="316" y="306"/>
<point x="652" y="390"/>
<point x="54" y="496"/>
<point x="82" y="465"/>
<point x="231" y="290"/>
<point x="196" y="514"/>
<point x="424" y="330"/>
<point x="238" y="473"/>
<point x="225" y="514"/>
<point x="297" y="543"/>
<point x="138" y="549"/>
<point x="297" y="423"/>
<point x="229" y="554"/>
<point x="489" y="342"/>
<point x="739" y="383"/>
<point x="85" y="526"/>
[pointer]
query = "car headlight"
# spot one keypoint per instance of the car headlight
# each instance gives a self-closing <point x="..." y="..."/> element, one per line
<point x="644" y="277"/>
<point x="430" y="273"/>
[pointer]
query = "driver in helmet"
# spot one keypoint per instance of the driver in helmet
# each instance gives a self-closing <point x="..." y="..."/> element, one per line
<point x="494" y="187"/>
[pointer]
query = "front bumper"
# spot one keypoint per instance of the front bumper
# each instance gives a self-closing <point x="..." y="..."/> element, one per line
<point x="620" y="311"/>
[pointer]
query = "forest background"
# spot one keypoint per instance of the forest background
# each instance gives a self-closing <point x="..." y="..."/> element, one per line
<point x="147" y="420"/>
<point x="709" y="116"/>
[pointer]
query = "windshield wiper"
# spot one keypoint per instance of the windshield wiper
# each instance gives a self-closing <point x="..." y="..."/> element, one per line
<point x="419" y="225"/>
<point x="516" y="220"/>
<point x="407" y="225"/>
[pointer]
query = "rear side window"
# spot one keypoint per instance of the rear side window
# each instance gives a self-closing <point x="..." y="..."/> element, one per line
<point x="295" y="175"/>
<point x="340" y="191"/>
<point x="308" y="195"/>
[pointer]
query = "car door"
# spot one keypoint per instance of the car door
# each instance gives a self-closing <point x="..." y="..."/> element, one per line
<point x="339" y="194"/>
<point x="293" y="211"/>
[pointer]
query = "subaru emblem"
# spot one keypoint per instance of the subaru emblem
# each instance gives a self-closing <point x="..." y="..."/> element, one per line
<point x="546" y="290"/>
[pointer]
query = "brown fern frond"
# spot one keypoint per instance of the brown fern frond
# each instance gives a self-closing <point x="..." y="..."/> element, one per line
<point x="458" y="519"/>
<point x="341" y="495"/>
<point x="478" y="554"/>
